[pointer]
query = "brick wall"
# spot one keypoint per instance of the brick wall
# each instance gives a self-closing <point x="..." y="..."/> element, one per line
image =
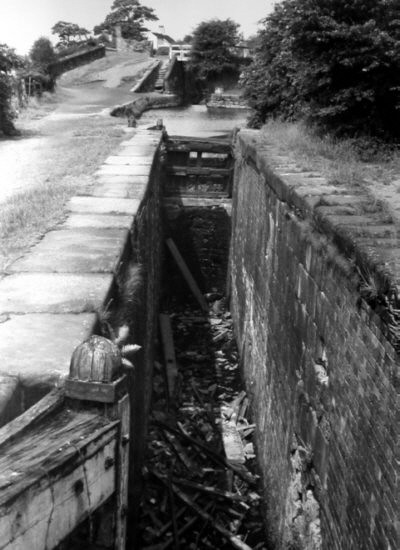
<point x="320" y="371"/>
<point x="202" y="235"/>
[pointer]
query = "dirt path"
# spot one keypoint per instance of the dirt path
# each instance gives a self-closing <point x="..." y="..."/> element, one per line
<point x="68" y="141"/>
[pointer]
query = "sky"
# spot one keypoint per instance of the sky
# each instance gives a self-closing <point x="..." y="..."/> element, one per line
<point x="23" y="21"/>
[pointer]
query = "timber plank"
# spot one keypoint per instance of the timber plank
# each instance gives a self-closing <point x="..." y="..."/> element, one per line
<point x="123" y="408"/>
<point x="50" y="403"/>
<point x="55" y="476"/>
<point x="197" y="171"/>
<point x="187" y="275"/>
<point x="198" y="145"/>
<point x="55" y="443"/>
<point x="169" y="352"/>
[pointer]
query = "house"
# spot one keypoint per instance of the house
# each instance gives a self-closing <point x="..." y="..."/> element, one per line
<point x="159" y="39"/>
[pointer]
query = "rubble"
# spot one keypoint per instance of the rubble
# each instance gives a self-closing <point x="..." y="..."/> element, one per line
<point x="201" y="488"/>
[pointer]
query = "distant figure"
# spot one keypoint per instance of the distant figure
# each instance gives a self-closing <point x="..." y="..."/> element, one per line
<point x="132" y="121"/>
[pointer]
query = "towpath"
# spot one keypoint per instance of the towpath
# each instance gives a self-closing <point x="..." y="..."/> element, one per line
<point x="65" y="137"/>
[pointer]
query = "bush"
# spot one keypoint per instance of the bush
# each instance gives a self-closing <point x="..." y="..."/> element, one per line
<point x="8" y="61"/>
<point x="334" y="63"/>
<point x="212" y="58"/>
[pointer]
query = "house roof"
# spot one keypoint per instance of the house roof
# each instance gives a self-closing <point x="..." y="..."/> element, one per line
<point x="165" y="36"/>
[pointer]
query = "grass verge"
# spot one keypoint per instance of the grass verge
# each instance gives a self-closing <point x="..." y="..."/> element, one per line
<point x="341" y="161"/>
<point x="65" y="164"/>
<point x="27" y="216"/>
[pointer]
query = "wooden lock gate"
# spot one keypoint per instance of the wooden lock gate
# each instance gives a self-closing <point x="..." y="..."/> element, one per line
<point x="67" y="455"/>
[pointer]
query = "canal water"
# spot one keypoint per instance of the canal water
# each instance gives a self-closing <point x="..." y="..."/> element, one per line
<point x="196" y="120"/>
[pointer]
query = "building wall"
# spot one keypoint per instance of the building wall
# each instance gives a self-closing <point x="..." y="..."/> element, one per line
<point x="320" y="370"/>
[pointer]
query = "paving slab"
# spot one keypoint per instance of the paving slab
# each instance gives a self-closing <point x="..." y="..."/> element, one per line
<point x="118" y="190"/>
<point x="128" y="150"/>
<point x="37" y="348"/>
<point x="85" y="250"/>
<point x="144" y="160"/>
<point x="101" y="221"/>
<point x="103" y="205"/>
<point x="54" y="293"/>
<point x="110" y="178"/>
<point x="117" y="170"/>
<point x="145" y="136"/>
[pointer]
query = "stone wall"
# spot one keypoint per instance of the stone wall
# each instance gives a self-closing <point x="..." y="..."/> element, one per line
<point x="175" y="81"/>
<point x="77" y="59"/>
<point x="147" y="245"/>
<point x="319" y="362"/>
<point x="146" y="83"/>
<point x="146" y="102"/>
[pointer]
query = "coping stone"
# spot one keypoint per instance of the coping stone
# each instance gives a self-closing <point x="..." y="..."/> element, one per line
<point x="54" y="293"/>
<point x="117" y="170"/>
<point x="85" y="250"/>
<point x="100" y="221"/>
<point x="37" y="348"/>
<point x="118" y="190"/>
<point x="144" y="160"/>
<point x="111" y="179"/>
<point x="135" y="151"/>
<point x="103" y="205"/>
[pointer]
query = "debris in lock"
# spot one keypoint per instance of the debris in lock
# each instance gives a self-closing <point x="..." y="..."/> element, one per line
<point x="201" y="487"/>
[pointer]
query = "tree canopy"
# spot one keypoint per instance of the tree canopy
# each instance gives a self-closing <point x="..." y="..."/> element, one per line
<point x="131" y="15"/>
<point x="42" y="54"/>
<point x="333" y="62"/>
<point x="213" y="49"/>
<point x="69" y="32"/>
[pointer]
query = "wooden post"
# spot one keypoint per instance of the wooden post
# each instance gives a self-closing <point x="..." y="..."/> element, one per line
<point x="169" y="353"/>
<point x="96" y="376"/>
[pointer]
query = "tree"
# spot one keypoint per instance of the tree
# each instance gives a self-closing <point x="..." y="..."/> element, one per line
<point x="334" y="62"/>
<point x="213" y="53"/>
<point x="69" y="32"/>
<point x="42" y="54"/>
<point x="9" y="61"/>
<point x="130" y="15"/>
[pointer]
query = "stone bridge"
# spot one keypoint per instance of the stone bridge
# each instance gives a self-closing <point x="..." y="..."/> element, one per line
<point x="311" y="273"/>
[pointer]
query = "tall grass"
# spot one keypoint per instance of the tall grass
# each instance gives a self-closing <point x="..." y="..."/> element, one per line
<point x="342" y="161"/>
<point x="27" y="216"/>
<point x="68" y="165"/>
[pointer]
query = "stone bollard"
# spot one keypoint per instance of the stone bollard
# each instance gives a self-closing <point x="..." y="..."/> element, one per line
<point x="96" y="378"/>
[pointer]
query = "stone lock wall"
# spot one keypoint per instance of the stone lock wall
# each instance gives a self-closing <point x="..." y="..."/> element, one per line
<point x="201" y="234"/>
<point x="319" y="367"/>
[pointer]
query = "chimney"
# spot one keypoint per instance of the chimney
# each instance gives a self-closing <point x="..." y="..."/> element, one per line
<point x="161" y="29"/>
